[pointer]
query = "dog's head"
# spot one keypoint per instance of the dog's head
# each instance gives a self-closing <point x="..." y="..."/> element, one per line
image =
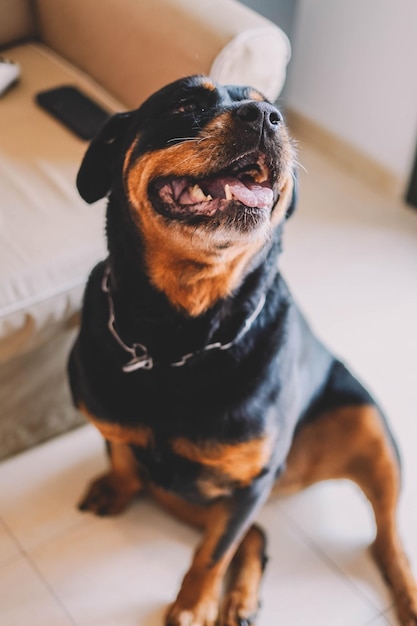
<point x="207" y="171"/>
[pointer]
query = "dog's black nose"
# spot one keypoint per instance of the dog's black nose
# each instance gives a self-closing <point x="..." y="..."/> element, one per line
<point x="259" y="114"/>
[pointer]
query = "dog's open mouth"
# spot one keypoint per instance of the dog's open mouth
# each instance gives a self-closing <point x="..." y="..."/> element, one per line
<point x="247" y="181"/>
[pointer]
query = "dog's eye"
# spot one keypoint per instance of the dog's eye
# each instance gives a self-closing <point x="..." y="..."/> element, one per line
<point x="188" y="106"/>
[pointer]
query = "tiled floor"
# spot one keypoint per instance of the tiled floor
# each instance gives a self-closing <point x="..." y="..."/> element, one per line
<point x="351" y="259"/>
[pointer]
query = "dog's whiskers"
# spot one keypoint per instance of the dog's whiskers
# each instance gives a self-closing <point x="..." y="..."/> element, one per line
<point x="299" y="164"/>
<point x="181" y="140"/>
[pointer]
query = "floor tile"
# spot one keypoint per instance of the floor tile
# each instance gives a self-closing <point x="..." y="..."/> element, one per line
<point x="300" y="587"/>
<point x="8" y="548"/>
<point x="335" y="520"/>
<point x="350" y="258"/>
<point x="39" y="489"/>
<point x="385" y="619"/>
<point x="137" y="562"/>
<point x="116" y="571"/>
<point x="24" y="599"/>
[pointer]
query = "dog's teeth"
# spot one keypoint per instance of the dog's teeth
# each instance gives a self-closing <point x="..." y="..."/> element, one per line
<point x="209" y="197"/>
<point x="198" y="193"/>
<point x="263" y="175"/>
<point x="228" y="192"/>
<point x="252" y="173"/>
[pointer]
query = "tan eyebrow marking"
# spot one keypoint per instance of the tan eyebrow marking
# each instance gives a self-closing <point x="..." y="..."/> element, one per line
<point x="207" y="84"/>
<point x="255" y="95"/>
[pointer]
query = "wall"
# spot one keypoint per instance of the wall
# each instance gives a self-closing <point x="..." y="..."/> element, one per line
<point x="282" y="12"/>
<point x="354" y="72"/>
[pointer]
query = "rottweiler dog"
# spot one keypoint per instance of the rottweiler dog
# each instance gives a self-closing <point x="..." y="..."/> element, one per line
<point x="192" y="359"/>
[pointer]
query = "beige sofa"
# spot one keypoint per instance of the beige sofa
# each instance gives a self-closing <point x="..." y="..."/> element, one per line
<point x="118" y="51"/>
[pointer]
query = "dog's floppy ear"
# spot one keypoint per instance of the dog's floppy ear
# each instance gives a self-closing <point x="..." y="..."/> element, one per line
<point x="94" y="177"/>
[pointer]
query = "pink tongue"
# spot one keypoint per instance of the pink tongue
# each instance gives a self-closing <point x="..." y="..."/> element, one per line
<point x="250" y="194"/>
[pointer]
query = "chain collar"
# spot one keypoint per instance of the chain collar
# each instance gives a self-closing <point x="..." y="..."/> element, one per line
<point x="140" y="357"/>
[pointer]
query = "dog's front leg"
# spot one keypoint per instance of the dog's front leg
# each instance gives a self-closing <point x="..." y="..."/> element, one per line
<point x="197" y="603"/>
<point x="241" y="601"/>
<point x="111" y="493"/>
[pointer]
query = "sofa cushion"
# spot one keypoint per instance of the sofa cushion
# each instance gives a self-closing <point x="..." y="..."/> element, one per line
<point x="152" y="42"/>
<point x="49" y="238"/>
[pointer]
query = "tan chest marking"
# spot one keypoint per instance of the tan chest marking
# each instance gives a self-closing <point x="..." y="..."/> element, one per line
<point x="138" y="435"/>
<point x="240" y="462"/>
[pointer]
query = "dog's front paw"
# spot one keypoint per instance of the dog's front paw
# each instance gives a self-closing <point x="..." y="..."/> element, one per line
<point x="239" y="609"/>
<point x="106" y="496"/>
<point x="203" y="613"/>
<point x="407" y="614"/>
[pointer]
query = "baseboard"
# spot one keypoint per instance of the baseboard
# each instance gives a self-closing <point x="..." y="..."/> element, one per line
<point x="348" y="156"/>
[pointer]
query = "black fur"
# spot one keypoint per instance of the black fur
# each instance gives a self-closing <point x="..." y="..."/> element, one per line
<point x="278" y="373"/>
